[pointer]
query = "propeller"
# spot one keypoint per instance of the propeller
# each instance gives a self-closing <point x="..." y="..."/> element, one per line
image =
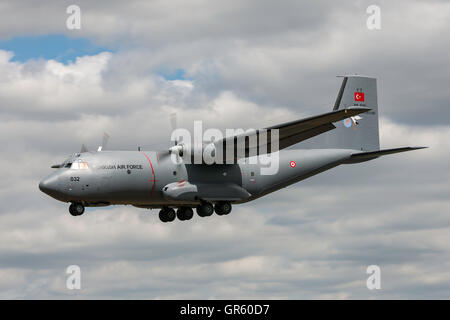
<point x="174" y="123"/>
<point x="104" y="142"/>
<point x="83" y="148"/>
<point x="175" y="152"/>
<point x="180" y="148"/>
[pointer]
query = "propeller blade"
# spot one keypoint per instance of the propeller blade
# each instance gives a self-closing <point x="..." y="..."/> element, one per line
<point x="173" y="120"/>
<point x="105" y="140"/>
<point x="174" y="123"/>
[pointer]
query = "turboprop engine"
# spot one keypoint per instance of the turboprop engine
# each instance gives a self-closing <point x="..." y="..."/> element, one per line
<point x="206" y="154"/>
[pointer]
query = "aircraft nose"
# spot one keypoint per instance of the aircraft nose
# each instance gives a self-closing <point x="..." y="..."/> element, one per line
<point x="49" y="185"/>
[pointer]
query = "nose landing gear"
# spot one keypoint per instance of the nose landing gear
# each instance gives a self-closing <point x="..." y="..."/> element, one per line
<point x="76" y="209"/>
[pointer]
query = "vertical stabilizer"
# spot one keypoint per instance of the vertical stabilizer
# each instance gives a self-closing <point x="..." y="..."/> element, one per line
<point x="359" y="132"/>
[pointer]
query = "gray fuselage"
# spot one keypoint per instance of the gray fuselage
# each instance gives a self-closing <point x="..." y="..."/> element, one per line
<point x="140" y="177"/>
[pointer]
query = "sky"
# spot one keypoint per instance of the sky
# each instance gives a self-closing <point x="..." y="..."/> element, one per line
<point x="233" y="64"/>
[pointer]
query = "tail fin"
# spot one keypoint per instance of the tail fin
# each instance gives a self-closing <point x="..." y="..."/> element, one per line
<point x="360" y="132"/>
<point x="357" y="132"/>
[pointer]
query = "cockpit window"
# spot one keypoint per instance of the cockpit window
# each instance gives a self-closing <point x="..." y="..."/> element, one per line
<point x="79" y="165"/>
<point x="68" y="164"/>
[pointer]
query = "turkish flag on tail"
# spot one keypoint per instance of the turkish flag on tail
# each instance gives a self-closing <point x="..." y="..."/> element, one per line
<point x="359" y="96"/>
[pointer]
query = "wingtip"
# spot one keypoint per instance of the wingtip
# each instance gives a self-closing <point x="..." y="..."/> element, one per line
<point x="418" y="148"/>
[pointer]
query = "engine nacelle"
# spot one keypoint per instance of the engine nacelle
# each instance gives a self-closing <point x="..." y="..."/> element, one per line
<point x="177" y="150"/>
<point x="205" y="153"/>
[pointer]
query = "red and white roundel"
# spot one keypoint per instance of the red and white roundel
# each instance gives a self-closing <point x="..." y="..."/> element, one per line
<point x="292" y="164"/>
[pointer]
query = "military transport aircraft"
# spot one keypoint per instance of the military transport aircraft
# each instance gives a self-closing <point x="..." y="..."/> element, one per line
<point x="151" y="179"/>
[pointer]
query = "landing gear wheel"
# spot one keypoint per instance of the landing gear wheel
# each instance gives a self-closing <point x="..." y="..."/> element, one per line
<point x="222" y="208"/>
<point x="76" y="209"/>
<point x="71" y="210"/>
<point x="170" y="215"/>
<point x="188" y="213"/>
<point x="205" y="210"/>
<point x="162" y="215"/>
<point x="180" y="214"/>
<point x="185" y="213"/>
<point x="166" y="215"/>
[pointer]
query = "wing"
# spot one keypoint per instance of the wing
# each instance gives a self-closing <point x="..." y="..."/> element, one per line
<point x="296" y="131"/>
<point x="290" y="133"/>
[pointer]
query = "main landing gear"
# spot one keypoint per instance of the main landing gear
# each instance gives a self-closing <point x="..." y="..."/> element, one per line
<point x="222" y="208"/>
<point x="206" y="209"/>
<point x="185" y="213"/>
<point x="76" y="209"/>
<point x="167" y="214"/>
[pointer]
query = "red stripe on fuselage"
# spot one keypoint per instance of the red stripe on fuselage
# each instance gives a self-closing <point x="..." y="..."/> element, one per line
<point x="153" y="173"/>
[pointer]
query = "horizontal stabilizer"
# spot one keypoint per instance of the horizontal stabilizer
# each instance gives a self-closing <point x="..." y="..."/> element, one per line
<point x="366" y="156"/>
